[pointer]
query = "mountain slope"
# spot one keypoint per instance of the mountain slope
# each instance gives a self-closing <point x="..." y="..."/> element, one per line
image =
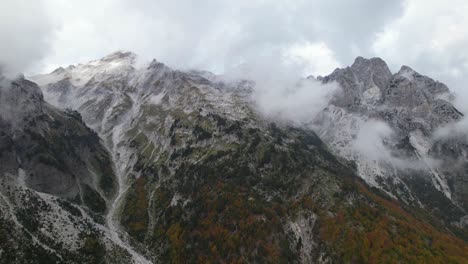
<point x="204" y="178"/>
<point x="56" y="183"/>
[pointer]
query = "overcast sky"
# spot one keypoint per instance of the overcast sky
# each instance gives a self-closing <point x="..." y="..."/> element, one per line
<point x="317" y="36"/>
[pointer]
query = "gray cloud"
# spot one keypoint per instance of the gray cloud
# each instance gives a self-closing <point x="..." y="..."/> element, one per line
<point x="281" y="93"/>
<point x="370" y="140"/>
<point x="223" y="36"/>
<point x="25" y="31"/>
<point x="215" y="35"/>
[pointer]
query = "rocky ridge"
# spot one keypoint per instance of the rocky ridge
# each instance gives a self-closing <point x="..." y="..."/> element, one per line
<point x="56" y="183"/>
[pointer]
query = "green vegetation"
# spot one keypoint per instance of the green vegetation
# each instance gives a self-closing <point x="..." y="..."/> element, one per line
<point x="92" y="251"/>
<point x="93" y="199"/>
<point x="229" y="202"/>
<point x="135" y="214"/>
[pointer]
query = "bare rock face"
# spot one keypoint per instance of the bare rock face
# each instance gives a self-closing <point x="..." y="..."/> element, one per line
<point x="415" y="164"/>
<point x="60" y="152"/>
<point x="363" y="83"/>
<point x="19" y="100"/>
<point x="56" y="182"/>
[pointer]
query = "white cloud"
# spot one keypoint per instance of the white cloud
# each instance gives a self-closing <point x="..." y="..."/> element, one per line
<point x="370" y="143"/>
<point x="284" y="98"/>
<point x="458" y="129"/>
<point x="315" y="58"/>
<point x="370" y="140"/>
<point x="316" y="36"/>
<point x="432" y="37"/>
<point x="25" y="34"/>
<point x="215" y="35"/>
<point x="280" y="91"/>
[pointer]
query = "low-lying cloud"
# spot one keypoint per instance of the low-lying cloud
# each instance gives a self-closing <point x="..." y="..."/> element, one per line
<point x="216" y="34"/>
<point x="371" y="141"/>
<point x="298" y="101"/>
<point x="455" y="130"/>
<point x="280" y="92"/>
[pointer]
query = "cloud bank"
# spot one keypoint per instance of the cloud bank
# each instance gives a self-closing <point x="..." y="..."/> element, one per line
<point x="216" y="35"/>
<point x="220" y="35"/>
<point x="282" y="94"/>
<point x="429" y="35"/>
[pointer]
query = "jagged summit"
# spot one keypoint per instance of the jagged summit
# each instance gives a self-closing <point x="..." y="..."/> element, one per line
<point x="119" y="55"/>
<point x="59" y="70"/>
<point x="19" y="99"/>
<point x="405" y="68"/>
<point x="370" y="83"/>
<point x="373" y="64"/>
<point x="155" y="64"/>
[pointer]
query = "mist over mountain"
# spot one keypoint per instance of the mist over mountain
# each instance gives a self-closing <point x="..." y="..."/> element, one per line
<point x="120" y="161"/>
<point x="262" y="132"/>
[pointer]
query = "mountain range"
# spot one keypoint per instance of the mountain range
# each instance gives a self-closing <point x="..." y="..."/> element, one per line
<point x="116" y="162"/>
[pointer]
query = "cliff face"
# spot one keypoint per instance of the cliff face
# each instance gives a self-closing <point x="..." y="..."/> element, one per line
<point x="55" y="149"/>
<point x="56" y="181"/>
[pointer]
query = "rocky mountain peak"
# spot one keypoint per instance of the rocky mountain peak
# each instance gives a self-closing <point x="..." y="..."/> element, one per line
<point x="373" y="64"/>
<point x="405" y="68"/>
<point x="411" y="89"/>
<point x="414" y="107"/>
<point x="19" y="99"/>
<point x="373" y="72"/>
<point x="362" y="84"/>
<point x="59" y="70"/>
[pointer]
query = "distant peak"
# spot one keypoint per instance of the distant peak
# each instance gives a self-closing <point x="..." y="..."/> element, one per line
<point x="119" y="55"/>
<point x="367" y="68"/>
<point x="359" y="60"/>
<point x="376" y="61"/>
<point x="154" y="64"/>
<point x="406" y="72"/>
<point x="59" y="70"/>
<point x="405" y="68"/>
